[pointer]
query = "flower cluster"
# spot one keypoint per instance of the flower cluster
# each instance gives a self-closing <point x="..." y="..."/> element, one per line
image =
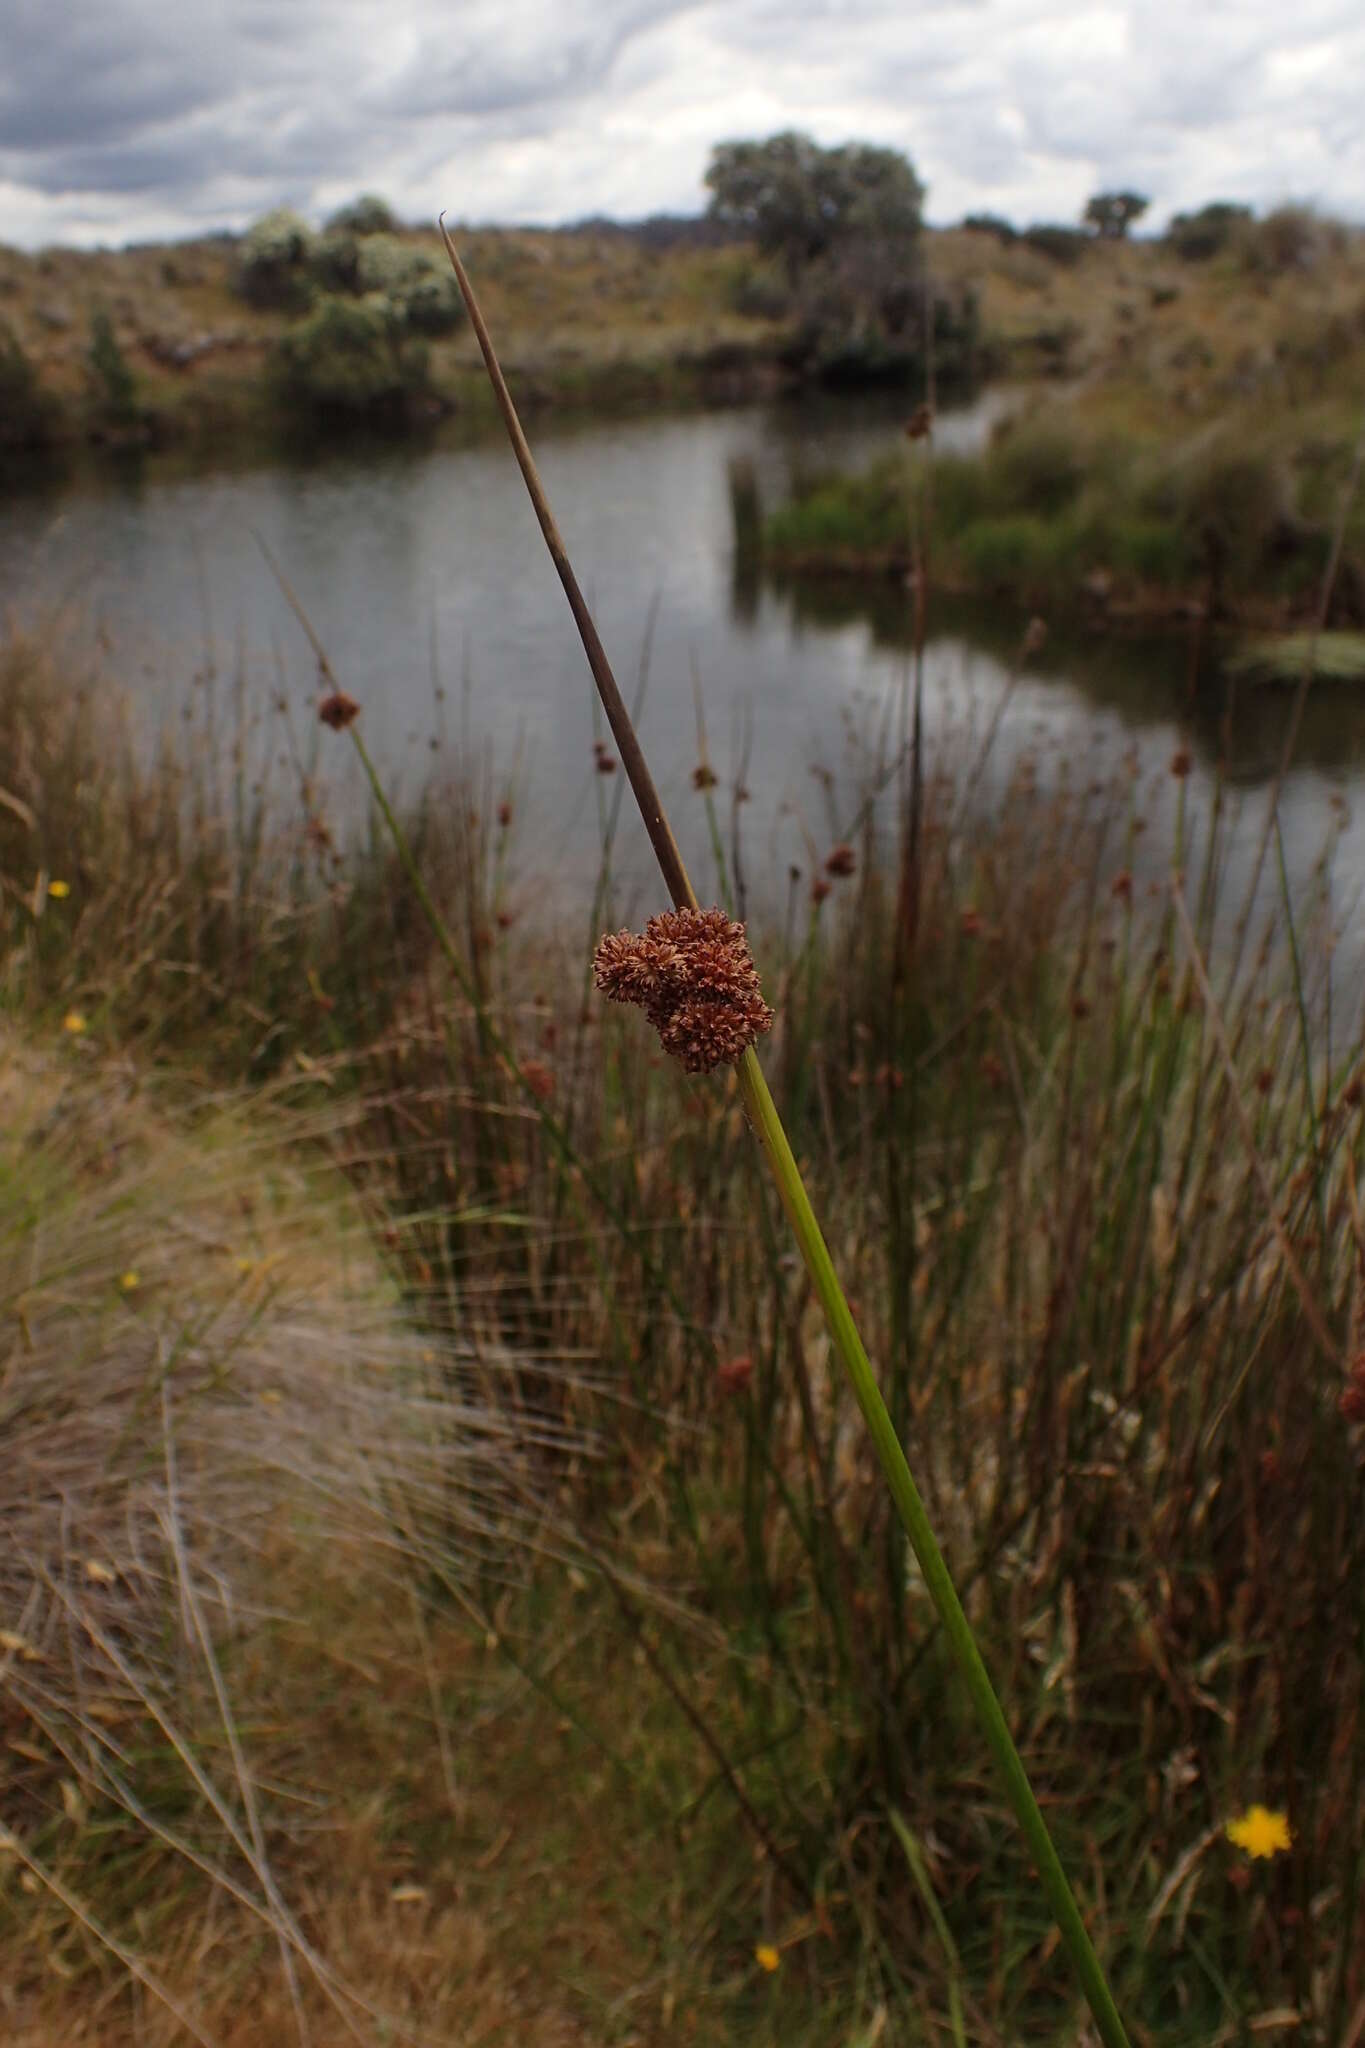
<point x="694" y="977"/>
<point x="338" y="710"/>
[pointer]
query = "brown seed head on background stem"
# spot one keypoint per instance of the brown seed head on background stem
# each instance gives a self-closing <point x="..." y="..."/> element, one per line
<point x="692" y="974"/>
<point x="338" y="710"/>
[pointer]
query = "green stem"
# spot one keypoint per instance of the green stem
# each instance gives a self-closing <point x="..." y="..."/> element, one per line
<point x="767" y="1126"/>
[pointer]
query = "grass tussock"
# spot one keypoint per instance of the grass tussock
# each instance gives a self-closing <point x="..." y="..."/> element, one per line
<point x="1100" y="1222"/>
<point x="229" y="1452"/>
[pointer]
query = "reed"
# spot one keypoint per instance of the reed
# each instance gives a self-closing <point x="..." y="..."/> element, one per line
<point x="767" y="1127"/>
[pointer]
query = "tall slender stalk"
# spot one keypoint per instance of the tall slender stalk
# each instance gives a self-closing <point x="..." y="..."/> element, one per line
<point x="767" y="1127"/>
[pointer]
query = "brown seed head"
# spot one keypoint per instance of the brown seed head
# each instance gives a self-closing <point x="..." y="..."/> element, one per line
<point x="733" y="1376"/>
<point x="841" y="859"/>
<point x="692" y="974"/>
<point x="538" y="1078"/>
<point x="338" y="710"/>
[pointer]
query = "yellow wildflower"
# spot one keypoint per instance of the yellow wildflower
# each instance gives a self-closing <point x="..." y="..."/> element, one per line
<point x="130" y="1281"/>
<point x="74" y="1023"/>
<point x="766" y="1956"/>
<point x="59" y="889"/>
<point x="1259" y="1831"/>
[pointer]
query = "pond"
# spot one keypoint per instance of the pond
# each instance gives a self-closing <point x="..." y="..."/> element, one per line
<point x="424" y="574"/>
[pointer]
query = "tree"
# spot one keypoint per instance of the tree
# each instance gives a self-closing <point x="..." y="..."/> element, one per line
<point x="1111" y="214"/>
<point x="800" y="201"/>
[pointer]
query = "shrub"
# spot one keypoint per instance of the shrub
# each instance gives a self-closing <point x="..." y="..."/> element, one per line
<point x="994" y="224"/>
<point x="351" y="362"/>
<point x="26" y="411"/>
<point x="1197" y="237"/>
<point x="421" y="291"/>
<point x="1018" y="551"/>
<point x="961" y="492"/>
<point x="868" y="511"/>
<point x="1037" y="469"/>
<point x="273" y="267"/>
<point x="1231" y="504"/>
<point x="112" y="383"/>
<point x="1291" y="238"/>
<point x="335" y="263"/>
<point x="431" y="304"/>
<point x="1152" y="551"/>
<point x="760" y="291"/>
<point x="368" y="215"/>
<point x="1059" y="244"/>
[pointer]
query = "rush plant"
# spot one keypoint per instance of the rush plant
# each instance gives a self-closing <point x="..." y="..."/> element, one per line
<point x="766" y="1124"/>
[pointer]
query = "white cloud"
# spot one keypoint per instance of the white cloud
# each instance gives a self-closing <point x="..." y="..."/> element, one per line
<point x="124" y="119"/>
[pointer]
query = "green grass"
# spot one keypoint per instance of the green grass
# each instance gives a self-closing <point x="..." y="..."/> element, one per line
<point x="1057" y="502"/>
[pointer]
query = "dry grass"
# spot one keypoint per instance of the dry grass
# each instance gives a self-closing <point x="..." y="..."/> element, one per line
<point x="569" y="305"/>
<point x="229" y="1459"/>
<point x="571" y="309"/>
<point x="1132" y="315"/>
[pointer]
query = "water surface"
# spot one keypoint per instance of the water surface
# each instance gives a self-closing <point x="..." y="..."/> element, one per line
<point x="424" y="573"/>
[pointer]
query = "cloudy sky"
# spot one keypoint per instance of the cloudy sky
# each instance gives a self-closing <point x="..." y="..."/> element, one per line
<point x="125" y="120"/>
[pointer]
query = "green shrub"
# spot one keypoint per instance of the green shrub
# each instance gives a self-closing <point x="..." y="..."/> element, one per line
<point x="273" y="267"/>
<point x="960" y="492"/>
<point x="368" y="215"/>
<point x="349" y="362"/>
<point x="1231" y="503"/>
<point x="993" y="224"/>
<point x="1060" y="245"/>
<point x="1150" y="550"/>
<point x="27" y="414"/>
<point x="335" y="263"/>
<point x="854" y="513"/>
<point x="431" y="304"/>
<point x="1037" y="469"/>
<point x="1198" y="237"/>
<point x="419" y="287"/>
<point x="761" y="291"/>
<point x="111" y="380"/>
<point x="1017" y="552"/>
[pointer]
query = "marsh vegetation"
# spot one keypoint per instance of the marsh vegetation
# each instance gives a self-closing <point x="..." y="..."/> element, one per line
<point x="446" y="1586"/>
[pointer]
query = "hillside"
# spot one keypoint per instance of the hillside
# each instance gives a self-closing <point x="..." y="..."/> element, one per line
<point x="605" y="317"/>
